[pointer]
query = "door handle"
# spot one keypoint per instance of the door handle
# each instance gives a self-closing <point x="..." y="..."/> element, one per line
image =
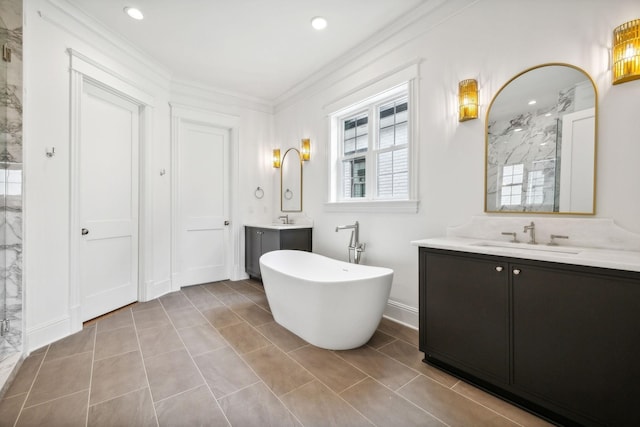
<point x="85" y="231"/>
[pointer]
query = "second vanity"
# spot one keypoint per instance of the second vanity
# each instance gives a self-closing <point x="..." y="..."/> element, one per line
<point x="263" y="238"/>
<point x="555" y="329"/>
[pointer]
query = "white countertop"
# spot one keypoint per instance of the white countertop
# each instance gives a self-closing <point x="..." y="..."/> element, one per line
<point x="280" y="226"/>
<point x="593" y="257"/>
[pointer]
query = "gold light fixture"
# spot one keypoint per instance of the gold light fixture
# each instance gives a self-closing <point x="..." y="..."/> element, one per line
<point x="306" y="149"/>
<point x="626" y="52"/>
<point x="468" y="100"/>
<point x="276" y="157"/>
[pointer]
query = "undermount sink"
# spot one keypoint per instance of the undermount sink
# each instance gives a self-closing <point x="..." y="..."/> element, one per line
<point x="528" y="247"/>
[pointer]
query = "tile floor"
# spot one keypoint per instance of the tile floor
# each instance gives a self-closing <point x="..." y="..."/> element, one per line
<point x="212" y="355"/>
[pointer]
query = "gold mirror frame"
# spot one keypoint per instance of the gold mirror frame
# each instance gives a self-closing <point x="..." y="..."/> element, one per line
<point x="595" y="144"/>
<point x="286" y="191"/>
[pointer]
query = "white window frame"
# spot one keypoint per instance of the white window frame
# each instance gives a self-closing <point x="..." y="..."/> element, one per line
<point x="371" y="96"/>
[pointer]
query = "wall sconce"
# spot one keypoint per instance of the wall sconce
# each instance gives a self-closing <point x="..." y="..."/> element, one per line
<point x="468" y="100"/>
<point x="306" y="149"/>
<point x="626" y="52"/>
<point x="276" y="157"/>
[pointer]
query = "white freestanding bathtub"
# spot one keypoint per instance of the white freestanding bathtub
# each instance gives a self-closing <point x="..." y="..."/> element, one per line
<point x="329" y="303"/>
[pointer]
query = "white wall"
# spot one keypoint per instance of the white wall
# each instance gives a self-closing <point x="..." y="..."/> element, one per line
<point x="49" y="31"/>
<point x="491" y="40"/>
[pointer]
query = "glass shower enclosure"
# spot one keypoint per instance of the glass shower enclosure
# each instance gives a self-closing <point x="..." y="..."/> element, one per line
<point x="11" y="301"/>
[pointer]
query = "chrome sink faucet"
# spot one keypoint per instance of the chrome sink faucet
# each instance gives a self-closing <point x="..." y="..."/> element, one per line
<point x="355" y="246"/>
<point x="285" y="218"/>
<point x="531" y="228"/>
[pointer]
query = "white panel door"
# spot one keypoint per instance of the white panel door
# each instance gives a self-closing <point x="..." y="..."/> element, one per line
<point x="204" y="203"/>
<point x="109" y="139"/>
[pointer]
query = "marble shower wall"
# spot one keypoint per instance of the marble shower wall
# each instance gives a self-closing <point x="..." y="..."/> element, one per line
<point x="532" y="139"/>
<point x="11" y="187"/>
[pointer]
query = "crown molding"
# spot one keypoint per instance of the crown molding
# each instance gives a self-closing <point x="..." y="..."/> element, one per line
<point x="212" y="95"/>
<point x="73" y="21"/>
<point x="405" y="29"/>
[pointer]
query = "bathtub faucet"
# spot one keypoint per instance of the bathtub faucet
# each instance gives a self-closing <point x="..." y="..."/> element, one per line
<point x="355" y="246"/>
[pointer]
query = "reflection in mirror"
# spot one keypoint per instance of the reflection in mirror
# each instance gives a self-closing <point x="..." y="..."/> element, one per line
<point x="541" y="143"/>
<point x="291" y="181"/>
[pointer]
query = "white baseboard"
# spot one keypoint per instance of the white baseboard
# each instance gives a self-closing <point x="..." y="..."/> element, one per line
<point x="238" y="273"/>
<point x="402" y="313"/>
<point x="157" y="289"/>
<point x="48" y="332"/>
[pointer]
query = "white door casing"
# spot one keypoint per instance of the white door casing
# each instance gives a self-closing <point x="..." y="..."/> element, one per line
<point x="203" y="177"/>
<point x="186" y="116"/>
<point x="108" y="201"/>
<point x="86" y="71"/>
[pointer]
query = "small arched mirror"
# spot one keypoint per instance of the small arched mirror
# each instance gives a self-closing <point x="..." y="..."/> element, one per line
<point x="541" y="143"/>
<point x="291" y="181"/>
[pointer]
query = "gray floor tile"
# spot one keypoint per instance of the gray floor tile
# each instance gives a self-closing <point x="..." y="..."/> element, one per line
<point x="114" y="342"/>
<point x="225" y="371"/>
<point x="195" y="407"/>
<point x="115" y="320"/>
<point x="278" y="371"/>
<point x="67" y="411"/>
<point x="132" y="409"/>
<point x="155" y="341"/>
<point x="26" y="374"/>
<point x="80" y="342"/>
<point x="317" y="406"/>
<point x="10" y="409"/>
<point x="243" y="337"/>
<point x="201" y="339"/>
<point x="117" y="375"/>
<point x="256" y="406"/>
<point x="61" y="377"/>
<point x="449" y="406"/>
<point x="385" y="408"/>
<point x="171" y="373"/>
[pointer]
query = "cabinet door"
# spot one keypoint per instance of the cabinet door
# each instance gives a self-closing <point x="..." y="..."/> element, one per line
<point x="253" y="243"/>
<point x="298" y="239"/>
<point x="270" y="241"/>
<point x="466" y="313"/>
<point x="576" y="342"/>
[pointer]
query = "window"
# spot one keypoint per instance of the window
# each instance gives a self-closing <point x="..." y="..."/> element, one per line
<point x="371" y="150"/>
<point x="511" y="193"/>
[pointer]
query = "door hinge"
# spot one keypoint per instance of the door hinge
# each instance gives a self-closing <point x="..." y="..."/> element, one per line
<point x="4" y="327"/>
<point x="6" y="52"/>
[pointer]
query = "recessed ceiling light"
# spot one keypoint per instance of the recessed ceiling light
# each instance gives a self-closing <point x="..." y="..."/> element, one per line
<point x="517" y="130"/>
<point x="134" y="13"/>
<point x="319" y="23"/>
<point x="533" y="101"/>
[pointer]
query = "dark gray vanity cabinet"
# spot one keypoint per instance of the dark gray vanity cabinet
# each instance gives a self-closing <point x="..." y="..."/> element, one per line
<point x="466" y="306"/>
<point x="259" y="241"/>
<point x="560" y="339"/>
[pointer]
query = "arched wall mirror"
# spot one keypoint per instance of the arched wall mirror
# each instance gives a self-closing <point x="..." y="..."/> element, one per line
<point x="291" y="181"/>
<point x="541" y="143"/>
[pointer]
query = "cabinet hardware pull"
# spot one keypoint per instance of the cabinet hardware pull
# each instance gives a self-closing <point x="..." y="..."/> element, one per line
<point x="516" y="271"/>
<point x="498" y="268"/>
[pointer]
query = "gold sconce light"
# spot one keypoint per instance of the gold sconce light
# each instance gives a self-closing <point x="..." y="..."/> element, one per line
<point x="305" y="150"/>
<point x="626" y="52"/>
<point x="467" y="100"/>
